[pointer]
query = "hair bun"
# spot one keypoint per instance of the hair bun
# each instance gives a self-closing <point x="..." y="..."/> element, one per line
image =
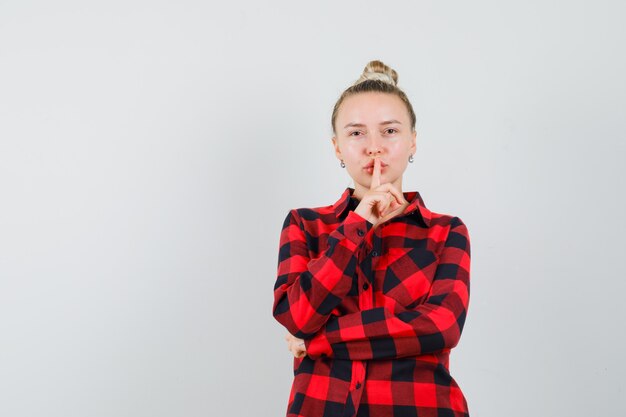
<point x="376" y="70"/>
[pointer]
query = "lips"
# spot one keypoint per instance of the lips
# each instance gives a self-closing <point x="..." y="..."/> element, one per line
<point x="370" y="165"/>
<point x="369" y="168"/>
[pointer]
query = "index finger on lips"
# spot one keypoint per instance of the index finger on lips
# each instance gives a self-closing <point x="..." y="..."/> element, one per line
<point x="375" y="174"/>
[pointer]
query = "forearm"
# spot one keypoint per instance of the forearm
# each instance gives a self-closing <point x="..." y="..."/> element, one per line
<point x="379" y="334"/>
<point x="434" y="325"/>
<point x="308" y="289"/>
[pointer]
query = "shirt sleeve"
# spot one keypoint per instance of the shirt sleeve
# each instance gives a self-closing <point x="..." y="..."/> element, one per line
<point x="308" y="289"/>
<point x="433" y="326"/>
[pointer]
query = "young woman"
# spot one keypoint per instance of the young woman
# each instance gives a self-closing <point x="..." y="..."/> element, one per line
<point x="373" y="289"/>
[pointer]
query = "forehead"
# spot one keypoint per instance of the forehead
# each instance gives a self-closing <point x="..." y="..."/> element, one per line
<point x="372" y="108"/>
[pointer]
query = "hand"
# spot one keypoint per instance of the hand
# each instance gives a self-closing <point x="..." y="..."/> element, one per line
<point x="381" y="200"/>
<point x="295" y="346"/>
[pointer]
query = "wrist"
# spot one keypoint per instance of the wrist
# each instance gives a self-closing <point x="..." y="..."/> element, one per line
<point x="318" y="345"/>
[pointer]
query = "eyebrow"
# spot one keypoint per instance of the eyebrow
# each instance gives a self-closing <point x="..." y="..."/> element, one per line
<point x="386" y="122"/>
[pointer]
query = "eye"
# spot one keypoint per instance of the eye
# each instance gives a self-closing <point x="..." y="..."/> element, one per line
<point x="391" y="131"/>
<point x="356" y="133"/>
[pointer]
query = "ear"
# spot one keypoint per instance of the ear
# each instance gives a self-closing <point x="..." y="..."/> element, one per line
<point x="336" y="146"/>
<point x="413" y="147"/>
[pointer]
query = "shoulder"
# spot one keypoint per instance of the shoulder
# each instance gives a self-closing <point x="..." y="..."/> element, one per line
<point x="312" y="214"/>
<point x="445" y="220"/>
<point x="303" y="217"/>
<point x="448" y="227"/>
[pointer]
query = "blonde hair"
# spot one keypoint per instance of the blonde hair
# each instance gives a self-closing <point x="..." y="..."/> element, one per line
<point x="376" y="77"/>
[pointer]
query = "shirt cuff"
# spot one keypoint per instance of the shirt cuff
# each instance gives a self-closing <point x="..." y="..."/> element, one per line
<point x="318" y="346"/>
<point x="355" y="227"/>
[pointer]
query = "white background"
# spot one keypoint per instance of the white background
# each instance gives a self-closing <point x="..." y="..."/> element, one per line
<point x="150" y="150"/>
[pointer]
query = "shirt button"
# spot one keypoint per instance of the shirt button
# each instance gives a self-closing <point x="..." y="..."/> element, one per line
<point x="366" y="286"/>
<point x="358" y="385"/>
<point x="374" y="253"/>
<point x="359" y="232"/>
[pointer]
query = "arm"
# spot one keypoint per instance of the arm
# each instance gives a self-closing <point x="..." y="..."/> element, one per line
<point x="430" y="327"/>
<point x="307" y="290"/>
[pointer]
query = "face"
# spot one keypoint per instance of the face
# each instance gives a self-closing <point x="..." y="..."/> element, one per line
<point x="372" y="125"/>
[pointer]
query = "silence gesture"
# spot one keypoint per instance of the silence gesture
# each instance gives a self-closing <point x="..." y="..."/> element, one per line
<point x="382" y="201"/>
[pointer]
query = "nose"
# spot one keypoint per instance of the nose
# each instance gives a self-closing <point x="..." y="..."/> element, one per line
<point x="374" y="147"/>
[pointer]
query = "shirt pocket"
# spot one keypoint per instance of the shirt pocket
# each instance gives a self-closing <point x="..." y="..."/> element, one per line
<point x="408" y="276"/>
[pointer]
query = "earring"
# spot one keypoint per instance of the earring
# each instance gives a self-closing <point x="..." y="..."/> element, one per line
<point x="342" y="164"/>
<point x="411" y="158"/>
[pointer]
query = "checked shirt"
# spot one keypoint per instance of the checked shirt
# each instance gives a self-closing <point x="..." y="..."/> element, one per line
<point x="379" y="309"/>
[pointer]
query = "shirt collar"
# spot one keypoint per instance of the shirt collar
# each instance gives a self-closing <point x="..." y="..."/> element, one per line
<point x="415" y="208"/>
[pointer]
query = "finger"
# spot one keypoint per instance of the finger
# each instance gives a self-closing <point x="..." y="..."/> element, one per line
<point x="383" y="205"/>
<point x="397" y="195"/>
<point x="388" y="203"/>
<point x="375" y="174"/>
